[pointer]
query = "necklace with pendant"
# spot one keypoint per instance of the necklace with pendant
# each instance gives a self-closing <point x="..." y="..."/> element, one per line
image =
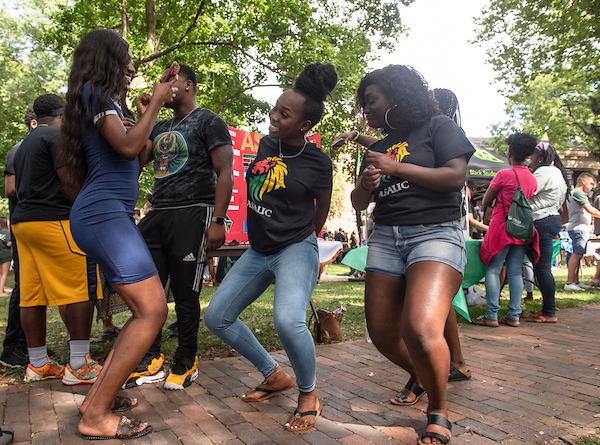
<point x="171" y="128"/>
<point x="282" y="156"/>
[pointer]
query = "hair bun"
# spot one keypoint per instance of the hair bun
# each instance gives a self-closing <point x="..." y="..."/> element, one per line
<point x="317" y="80"/>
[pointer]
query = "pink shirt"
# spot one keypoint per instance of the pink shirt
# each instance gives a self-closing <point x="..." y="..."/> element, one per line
<point x="505" y="182"/>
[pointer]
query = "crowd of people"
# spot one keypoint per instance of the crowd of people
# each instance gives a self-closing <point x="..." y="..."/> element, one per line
<point x="73" y="186"/>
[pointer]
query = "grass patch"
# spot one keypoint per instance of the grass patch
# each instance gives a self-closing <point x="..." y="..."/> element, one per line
<point x="259" y="317"/>
<point x="591" y="440"/>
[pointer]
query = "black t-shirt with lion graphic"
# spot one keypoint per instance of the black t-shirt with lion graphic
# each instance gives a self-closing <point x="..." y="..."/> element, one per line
<point x="183" y="170"/>
<point x="281" y="193"/>
<point x="431" y="144"/>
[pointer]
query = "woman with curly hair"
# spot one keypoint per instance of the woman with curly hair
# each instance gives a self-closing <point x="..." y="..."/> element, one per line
<point x="289" y="191"/>
<point x="417" y="250"/>
<point x="498" y="246"/>
<point x="99" y="170"/>
<point x="553" y="188"/>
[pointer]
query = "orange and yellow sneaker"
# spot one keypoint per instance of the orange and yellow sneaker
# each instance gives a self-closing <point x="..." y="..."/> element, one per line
<point x="86" y="374"/>
<point x="149" y="370"/>
<point x="183" y="373"/>
<point x="50" y="370"/>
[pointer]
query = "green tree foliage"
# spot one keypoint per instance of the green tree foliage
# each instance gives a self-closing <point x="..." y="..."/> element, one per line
<point x="238" y="46"/>
<point x="27" y="69"/>
<point x="235" y="47"/>
<point x="548" y="53"/>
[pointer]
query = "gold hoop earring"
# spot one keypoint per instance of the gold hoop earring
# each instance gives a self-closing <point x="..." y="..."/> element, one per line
<point x="385" y="117"/>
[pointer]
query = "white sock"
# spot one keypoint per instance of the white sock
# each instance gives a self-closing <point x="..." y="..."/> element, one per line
<point x="38" y="357"/>
<point x="79" y="350"/>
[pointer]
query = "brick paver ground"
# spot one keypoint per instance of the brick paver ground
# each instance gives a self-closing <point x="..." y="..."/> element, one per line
<point x="533" y="384"/>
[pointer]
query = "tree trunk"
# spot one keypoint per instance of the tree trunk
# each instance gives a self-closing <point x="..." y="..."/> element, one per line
<point x="151" y="22"/>
<point x="123" y="27"/>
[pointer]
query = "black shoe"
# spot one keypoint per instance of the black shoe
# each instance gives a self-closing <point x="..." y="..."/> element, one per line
<point x="172" y="326"/>
<point x="14" y="357"/>
<point x="174" y="332"/>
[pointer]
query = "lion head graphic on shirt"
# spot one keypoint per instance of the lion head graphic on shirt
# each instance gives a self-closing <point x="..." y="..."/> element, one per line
<point x="267" y="175"/>
<point x="170" y="153"/>
<point x="397" y="152"/>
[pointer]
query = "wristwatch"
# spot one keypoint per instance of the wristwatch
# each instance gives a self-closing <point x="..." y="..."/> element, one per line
<point x="218" y="219"/>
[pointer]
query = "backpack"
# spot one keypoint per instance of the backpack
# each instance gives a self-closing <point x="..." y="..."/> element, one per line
<point x="519" y="221"/>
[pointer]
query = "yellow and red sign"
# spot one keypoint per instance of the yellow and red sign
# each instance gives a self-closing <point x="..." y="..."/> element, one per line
<point x="245" y="147"/>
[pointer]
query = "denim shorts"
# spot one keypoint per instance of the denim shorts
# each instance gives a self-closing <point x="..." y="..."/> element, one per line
<point x="392" y="249"/>
<point x="580" y="239"/>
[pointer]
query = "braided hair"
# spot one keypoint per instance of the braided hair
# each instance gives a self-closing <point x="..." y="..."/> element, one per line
<point x="448" y="104"/>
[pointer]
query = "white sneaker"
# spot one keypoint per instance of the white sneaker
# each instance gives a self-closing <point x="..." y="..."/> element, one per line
<point x="583" y="286"/>
<point x="573" y="287"/>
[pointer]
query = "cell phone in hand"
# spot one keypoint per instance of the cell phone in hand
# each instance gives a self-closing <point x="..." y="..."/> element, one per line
<point x="337" y="143"/>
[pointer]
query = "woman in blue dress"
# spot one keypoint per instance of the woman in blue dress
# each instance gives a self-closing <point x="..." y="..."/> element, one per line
<point x="100" y="157"/>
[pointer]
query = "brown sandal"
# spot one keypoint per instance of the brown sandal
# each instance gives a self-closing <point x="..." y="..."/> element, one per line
<point x="538" y="317"/>
<point x="267" y="393"/>
<point x="127" y="429"/>
<point x="483" y="321"/>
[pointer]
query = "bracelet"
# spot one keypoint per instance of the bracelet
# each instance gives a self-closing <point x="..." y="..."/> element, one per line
<point x="355" y="136"/>
<point x="361" y="184"/>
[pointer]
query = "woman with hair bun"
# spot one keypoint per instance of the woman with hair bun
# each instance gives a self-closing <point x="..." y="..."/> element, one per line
<point x="100" y="153"/>
<point x="289" y="191"/>
<point x="417" y="250"/>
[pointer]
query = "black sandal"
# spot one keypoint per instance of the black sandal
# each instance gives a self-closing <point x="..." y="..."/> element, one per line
<point x="457" y="375"/>
<point x="401" y="398"/>
<point x="436" y="419"/>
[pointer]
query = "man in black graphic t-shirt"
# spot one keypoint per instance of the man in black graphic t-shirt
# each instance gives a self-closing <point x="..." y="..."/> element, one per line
<point x="193" y="181"/>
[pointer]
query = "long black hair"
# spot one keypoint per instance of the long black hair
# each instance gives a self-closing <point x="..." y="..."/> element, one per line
<point x="315" y="82"/>
<point x="100" y="58"/>
<point x="414" y="104"/>
<point x="551" y="158"/>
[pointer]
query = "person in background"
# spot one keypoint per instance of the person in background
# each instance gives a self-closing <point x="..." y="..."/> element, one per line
<point x="416" y="257"/>
<point x="289" y="192"/>
<point x="498" y="246"/>
<point x="5" y="254"/>
<point x="14" y="352"/>
<point x="580" y="220"/>
<point x="552" y="190"/>
<point x="56" y="272"/>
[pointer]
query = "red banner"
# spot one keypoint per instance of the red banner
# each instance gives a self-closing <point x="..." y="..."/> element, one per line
<point x="245" y="147"/>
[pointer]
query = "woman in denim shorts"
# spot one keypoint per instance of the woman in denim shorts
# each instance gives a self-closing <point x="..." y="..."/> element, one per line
<point x="417" y="250"/>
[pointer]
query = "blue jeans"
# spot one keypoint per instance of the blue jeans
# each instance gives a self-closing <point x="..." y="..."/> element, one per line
<point x="513" y="254"/>
<point x="295" y="271"/>
<point x="547" y="228"/>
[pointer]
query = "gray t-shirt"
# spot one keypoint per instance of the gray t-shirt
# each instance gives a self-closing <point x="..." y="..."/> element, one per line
<point x="550" y="193"/>
<point x="579" y="218"/>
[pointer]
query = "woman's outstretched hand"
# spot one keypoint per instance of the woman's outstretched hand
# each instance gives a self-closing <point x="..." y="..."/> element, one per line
<point x="165" y="92"/>
<point x="342" y="139"/>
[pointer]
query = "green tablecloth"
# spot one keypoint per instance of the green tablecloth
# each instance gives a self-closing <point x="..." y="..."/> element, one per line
<point x="474" y="270"/>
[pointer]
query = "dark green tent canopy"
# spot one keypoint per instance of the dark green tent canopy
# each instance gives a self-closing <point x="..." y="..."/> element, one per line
<point x="484" y="164"/>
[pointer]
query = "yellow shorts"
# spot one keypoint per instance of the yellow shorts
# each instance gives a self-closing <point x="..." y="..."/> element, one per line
<point x="53" y="270"/>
